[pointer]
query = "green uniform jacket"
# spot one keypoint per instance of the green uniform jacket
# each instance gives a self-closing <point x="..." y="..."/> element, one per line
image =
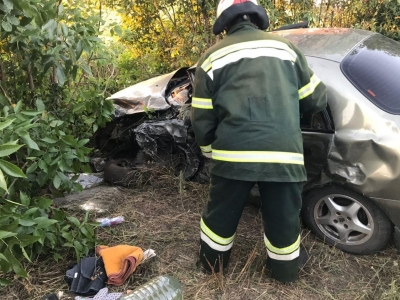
<point x="249" y="92"/>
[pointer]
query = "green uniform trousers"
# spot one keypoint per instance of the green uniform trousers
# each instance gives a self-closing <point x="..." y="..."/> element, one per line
<point x="281" y="204"/>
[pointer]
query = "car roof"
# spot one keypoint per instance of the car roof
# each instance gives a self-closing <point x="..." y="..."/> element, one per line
<point x="328" y="43"/>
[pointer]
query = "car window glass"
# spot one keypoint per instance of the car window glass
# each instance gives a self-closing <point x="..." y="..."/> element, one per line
<point x="374" y="69"/>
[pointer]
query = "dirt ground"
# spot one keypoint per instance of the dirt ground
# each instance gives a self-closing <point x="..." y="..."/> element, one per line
<point x="164" y="215"/>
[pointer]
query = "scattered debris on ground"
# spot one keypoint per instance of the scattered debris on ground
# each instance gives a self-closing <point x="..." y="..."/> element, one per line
<point x="164" y="215"/>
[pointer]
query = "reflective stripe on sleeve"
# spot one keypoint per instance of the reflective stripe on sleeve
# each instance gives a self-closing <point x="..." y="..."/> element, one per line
<point x="258" y="156"/>
<point x="206" y="149"/>
<point x="213" y="245"/>
<point x="202" y="103"/>
<point x="286" y="253"/>
<point x="214" y="237"/>
<point x="308" y="89"/>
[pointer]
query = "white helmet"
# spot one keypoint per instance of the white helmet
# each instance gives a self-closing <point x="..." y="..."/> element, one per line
<point x="228" y="10"/>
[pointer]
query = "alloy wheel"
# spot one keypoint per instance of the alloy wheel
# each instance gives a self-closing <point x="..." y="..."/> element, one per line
<point x="343" y="219"/>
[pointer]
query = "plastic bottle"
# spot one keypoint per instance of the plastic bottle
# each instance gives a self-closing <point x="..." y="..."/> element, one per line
<point x="110" y="222"/>
<point x="159" y="288"/>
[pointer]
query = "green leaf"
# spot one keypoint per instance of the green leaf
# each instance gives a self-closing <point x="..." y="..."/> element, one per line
<point x="2" y="257"/>
<point x="86" y="232"/>
<point x="86" y="168"/>
<point x="60" y="74"/>
<point x="46" y="223"/>
<point x="31" y="211"/>
<point x="17" y="107"/>
<point x="83" y="142"/>
<point x="78" y="246"/>
<point x="5" y="282"/>
<point x="67" y="236"/>
<point x="31" y="168"/>
<point x="79" y="107"/>
<point x="44" y="203"/>
<point x="16" y="265"/>
<point x="26" y="223"/>
<point x="3" y="182"/>
<point x="27" y="239"/>
<point x="25" y="254"/>
<point x="11" y="169"/>
<point x="7" y="149"/>
<point x="50" y="27"/>
<point x="69" y="140"/>
<point x="74" y="71"/>
<point x="9" y="4"/>
<point x="28" y="141"/>
<point x="40" y="105"/>
<point x="13" y="20"/>
<point x="118" y="30"/>
<point x="6" y="26"/>
<point x="6" y="124"/>
<point x="56" y="123"/>
<point x="24" y="199"/>
<point x="56" y="181"/>
<point x="64" y="29"/>
<point x="79" y="50"/>
<point x="49" y="140"/>
<point x="74" y="221"/>
<point x="6" y="234"/>
<point x="13" y="202"/>
<point x="87" y="70"/>
<point x="31" y="112"/>
<point x="57" y="257"/>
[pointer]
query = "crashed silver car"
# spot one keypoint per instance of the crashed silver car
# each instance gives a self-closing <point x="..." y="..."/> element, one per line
<point x="351" y="149"/>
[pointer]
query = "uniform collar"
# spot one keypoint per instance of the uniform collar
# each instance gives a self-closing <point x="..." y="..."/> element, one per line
<point x="242" y="26"/>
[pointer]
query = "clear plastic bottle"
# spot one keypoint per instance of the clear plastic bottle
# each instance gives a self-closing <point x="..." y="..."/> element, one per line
<point x="159" y="288"/>
<point x="110" y="222"/>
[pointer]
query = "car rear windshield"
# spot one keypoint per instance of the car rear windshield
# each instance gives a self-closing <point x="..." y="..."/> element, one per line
<point x="374" y="69"/>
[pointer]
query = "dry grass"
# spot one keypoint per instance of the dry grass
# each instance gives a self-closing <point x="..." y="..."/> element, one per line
<point x="165" y="217"/>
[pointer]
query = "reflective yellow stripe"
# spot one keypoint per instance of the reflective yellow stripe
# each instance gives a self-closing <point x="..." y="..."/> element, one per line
<point x="214" y="245"/>
<point x="308" y="89"/>
<point x="206" y="149"/>
<point x="213" y="236"/>
<point x="259" y="156"/>
<point x="207" y="64"/>
<point x="203" y="103"/>
<point x="282" y="251"/>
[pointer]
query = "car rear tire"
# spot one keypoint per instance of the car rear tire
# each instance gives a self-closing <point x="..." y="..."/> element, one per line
<point x="347" y="220"/>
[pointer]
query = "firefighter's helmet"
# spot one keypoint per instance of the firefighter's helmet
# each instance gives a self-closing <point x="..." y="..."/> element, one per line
<point x="228" y="10"/>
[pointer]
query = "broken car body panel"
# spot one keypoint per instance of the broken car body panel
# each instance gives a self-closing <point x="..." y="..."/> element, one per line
<point x="353" y="143"/>
<point x="145" y="96"/>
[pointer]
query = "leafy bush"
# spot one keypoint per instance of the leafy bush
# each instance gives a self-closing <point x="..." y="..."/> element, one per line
<point x="55" y="73"/>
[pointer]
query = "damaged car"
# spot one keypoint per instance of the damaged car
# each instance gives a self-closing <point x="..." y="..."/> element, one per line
<point x="351" y="148"/>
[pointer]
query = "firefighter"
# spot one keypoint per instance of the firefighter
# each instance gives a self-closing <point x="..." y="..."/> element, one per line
<point x="249" y="91"/>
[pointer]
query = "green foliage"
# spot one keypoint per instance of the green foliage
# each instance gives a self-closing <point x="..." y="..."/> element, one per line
<point x="55" y="73"/>
<point x="33" y="227"/>
<point x="161" y="36"/>
<point x="49" y="151"/>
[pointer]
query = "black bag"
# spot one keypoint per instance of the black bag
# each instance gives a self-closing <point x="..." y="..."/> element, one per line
<point x="87" y="277"/>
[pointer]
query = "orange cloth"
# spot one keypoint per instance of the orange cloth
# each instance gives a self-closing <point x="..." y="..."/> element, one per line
<point x="120" y="262"/>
